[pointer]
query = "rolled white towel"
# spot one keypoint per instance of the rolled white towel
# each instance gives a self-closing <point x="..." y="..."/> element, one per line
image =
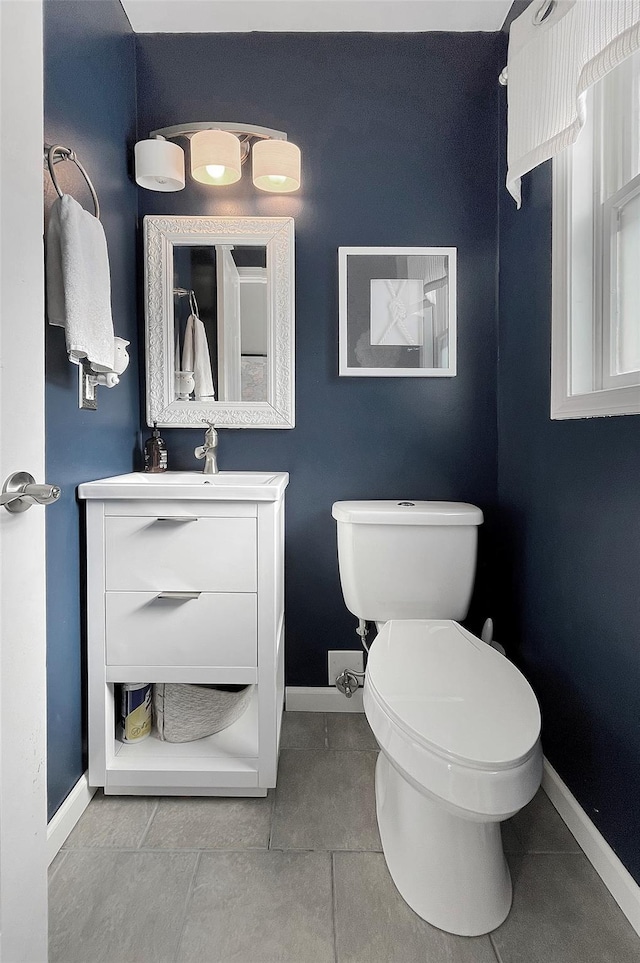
<point x="196" y="357"/>
<point x="79" y="283"/>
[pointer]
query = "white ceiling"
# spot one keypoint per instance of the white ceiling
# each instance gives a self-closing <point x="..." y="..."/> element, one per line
<point x="239" y="16"/>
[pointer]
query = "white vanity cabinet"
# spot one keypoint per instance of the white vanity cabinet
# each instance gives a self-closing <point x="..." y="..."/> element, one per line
<point x="185" y="583"/>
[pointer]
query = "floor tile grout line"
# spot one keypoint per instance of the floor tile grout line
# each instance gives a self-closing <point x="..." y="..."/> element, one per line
<point x="62" y="853"/>
<point x="296" y="849"/>
<point x="549" y="852"/>
<point x="558" y="852"/>
<point x="329" y="749"/>
<point x="187" y="904"/>
<point x="183" y="849"/>
<point x="272" y="817"/>
<point x="495" y="949"/>
<point x="148" y="826"/>
<point x="334" y="907"/>
<point x="97" y="850"/>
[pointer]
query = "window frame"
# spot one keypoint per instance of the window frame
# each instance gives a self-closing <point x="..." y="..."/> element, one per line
<point x="610" y="219"/>
<point x="611" y="396"/>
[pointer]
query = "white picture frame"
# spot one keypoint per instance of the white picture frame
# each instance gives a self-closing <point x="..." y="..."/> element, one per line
<point x="392" y="323"/>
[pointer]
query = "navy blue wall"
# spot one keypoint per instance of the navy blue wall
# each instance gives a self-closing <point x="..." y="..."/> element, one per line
<point x="570" y="525"/>
<point x="90" y="106"/>
<point x="340" y="98"/>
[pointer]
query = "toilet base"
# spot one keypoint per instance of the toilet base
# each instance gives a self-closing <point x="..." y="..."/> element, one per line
<point x="450" y="870"/>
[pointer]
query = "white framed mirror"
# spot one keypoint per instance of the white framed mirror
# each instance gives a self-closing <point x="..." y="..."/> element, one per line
<point x="219" y="309"/>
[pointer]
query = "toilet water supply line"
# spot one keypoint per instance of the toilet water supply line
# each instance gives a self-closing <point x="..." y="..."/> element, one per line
<point x="348" y="681"/>
<point x="363" y="632"/>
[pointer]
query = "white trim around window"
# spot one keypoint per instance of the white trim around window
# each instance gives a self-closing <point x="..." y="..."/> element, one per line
<point x="623" y="400"/>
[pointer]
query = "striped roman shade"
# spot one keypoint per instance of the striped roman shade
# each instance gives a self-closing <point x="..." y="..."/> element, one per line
<point x="551" y="65"/>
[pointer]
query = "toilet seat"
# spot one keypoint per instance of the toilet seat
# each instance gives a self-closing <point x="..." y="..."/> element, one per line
<point x="453" y="695"/>
<point x="455" y="718"/>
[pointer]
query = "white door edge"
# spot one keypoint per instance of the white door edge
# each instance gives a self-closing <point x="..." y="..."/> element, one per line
<point x="23" y="822"/>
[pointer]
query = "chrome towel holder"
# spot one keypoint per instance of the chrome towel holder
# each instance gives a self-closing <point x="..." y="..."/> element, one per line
<point x="65" y="153"/>
<point x="191" y="294"/>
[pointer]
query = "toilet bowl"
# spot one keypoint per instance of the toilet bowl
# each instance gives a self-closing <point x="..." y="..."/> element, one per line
<point x="458" y="727"/>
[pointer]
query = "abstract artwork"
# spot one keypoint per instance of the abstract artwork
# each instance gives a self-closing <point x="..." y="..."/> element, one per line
<point x="397" y="311"/>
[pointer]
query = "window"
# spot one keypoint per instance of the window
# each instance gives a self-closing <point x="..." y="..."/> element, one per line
<point x="596" y="256"/>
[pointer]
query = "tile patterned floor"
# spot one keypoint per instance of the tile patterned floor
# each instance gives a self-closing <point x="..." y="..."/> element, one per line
<point x="299" y="877"/>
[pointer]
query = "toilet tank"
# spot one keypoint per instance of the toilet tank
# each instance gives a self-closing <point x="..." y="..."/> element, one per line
<point x="405" y="559"/>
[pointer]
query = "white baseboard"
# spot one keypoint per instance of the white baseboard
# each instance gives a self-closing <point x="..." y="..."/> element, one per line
<point x="68" y="815"/>
<point x="613" y="874"/>
<point x="307" y="698"/>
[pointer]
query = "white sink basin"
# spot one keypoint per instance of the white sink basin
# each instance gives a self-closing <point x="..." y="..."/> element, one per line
<point x="226" y="485"/>
<point x="196" y="478"/>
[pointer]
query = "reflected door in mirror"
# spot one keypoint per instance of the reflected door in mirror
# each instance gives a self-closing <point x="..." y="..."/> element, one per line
<point x="221" y="322"/>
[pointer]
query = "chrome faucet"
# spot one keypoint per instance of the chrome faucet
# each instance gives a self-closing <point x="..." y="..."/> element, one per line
<point x="208" y="450"/>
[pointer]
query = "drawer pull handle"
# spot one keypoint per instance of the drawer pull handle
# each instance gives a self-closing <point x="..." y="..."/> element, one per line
<point x="178" y="518"/>
<point x="179" y="596"/>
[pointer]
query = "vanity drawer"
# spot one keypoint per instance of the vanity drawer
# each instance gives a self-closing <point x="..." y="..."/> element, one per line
<point x="209" y="630"/>
<point x="180" y="552"/>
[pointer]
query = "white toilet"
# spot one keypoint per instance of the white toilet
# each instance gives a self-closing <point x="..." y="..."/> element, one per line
<point x="457" y="723"/>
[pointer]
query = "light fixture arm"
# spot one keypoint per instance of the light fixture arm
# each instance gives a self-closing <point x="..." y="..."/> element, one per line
<point x="248" y="130"/>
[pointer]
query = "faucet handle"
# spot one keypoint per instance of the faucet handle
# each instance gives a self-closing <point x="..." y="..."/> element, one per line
<point x="210" y="435"/>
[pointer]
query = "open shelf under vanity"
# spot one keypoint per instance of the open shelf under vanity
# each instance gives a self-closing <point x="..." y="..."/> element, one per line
<point x="227" y="759"/>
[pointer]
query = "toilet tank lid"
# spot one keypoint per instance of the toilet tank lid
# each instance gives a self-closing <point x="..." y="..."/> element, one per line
<point x="406" y="512"/>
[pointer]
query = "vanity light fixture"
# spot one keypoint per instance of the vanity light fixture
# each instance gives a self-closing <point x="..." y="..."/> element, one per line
<point x="159" y="165"/>
<point x="218" y="151"/>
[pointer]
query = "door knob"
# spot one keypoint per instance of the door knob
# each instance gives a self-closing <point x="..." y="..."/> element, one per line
<point x="20" y="492"/>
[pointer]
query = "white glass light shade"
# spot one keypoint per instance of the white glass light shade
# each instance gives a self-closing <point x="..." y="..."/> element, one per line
<point x="276" y="166"/>
<point x="215" y="157"/>
<point x="159" y="165"/>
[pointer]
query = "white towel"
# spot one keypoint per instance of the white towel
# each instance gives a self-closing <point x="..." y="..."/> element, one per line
<point x="196" y="357"/>
<point x="551" y="65"/>
<point x="78" y="283"/>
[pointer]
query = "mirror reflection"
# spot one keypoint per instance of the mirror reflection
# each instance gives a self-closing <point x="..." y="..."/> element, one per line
<point x="221" y="323"/>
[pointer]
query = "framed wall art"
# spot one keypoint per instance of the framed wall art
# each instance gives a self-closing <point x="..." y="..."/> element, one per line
<point x="397" y="311"/>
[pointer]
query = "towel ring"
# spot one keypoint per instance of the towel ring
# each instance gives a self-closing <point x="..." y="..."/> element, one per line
<point x="67" y="154"/>
<point x="191" y="294"/>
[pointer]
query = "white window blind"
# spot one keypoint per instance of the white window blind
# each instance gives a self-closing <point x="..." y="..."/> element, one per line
<point x="551" y="65"/>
